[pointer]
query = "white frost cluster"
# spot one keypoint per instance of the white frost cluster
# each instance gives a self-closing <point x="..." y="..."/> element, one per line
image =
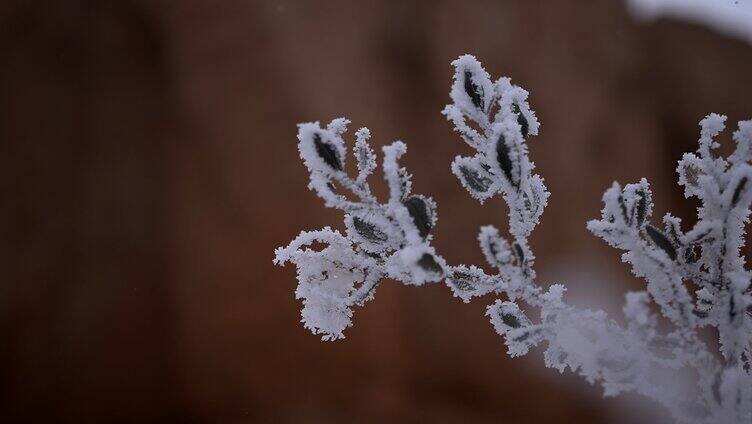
<point x="729" y="17"/>
<point x="389" y="239"/>
<point x="696" y="278"/>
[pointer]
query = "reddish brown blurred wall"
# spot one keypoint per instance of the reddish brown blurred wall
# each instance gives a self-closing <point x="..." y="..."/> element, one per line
<point x="149" y="168"/>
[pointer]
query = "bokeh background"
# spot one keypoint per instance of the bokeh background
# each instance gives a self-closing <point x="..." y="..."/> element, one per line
<point x="148" y="168"/>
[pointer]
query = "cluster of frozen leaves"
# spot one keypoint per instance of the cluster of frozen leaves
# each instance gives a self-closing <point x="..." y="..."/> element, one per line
<point x="382" y="240"/>
<point x="696" y="278"/>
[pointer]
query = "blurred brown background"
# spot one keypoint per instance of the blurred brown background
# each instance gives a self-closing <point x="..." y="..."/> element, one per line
<point x="148" y="168"/>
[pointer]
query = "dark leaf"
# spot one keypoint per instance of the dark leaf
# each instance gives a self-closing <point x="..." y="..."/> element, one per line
<point x="369" y="231"/>
<point x="493" y="248"/>
<point x="327" y="153"/>
<point x="623" y="207"/>
<point x="525" y="128"/>
<point x="673" y="232"/>
<point x="510" y="320"/>
<point x="738" y="191"/>
<point x="519" y="253"/>
<point x="472" y="90"/>
<point x="497" y="250"/>
<point x="463" y="281"/>
<point x="661" y="241"/>
<point x="428" y="263"/>
<point x="418" y="210"/>
<point x="505" y="162"/>
<point x="641" y="208"/>
<point x="474" y="180"/>
<point x="692" y="174"/>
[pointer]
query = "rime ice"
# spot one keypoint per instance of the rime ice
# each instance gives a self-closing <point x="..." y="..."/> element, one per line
<point x="392" y="239"/>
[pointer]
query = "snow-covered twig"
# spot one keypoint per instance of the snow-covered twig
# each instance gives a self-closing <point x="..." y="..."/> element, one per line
<point x="696" y="278"/>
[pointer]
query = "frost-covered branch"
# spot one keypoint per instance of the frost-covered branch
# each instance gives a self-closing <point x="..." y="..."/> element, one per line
<point x="695" y="278"/>
<point x="389" y="239"/>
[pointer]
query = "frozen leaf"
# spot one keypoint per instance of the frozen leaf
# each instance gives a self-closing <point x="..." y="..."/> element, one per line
<point x="509" y="321"/>
<point x="690" y="170"/>
<point x="429" y="264"/>
<point x="468" y="282"/>
<point x="494" y="247"/>
<point x="364" y="154"/>
<point x="479" y="183"/>
<point x="420" y="264"/>
<point x="368" y="230"/>
<point x="474" y="177"/>
<point x="420" y="213"/>
<point x="322" y="150"/>
<point x="660" y="240"/>
<point x="327" y="153"/>
<point x="473" y="91"/>
<point x="503" y="157"/>
<point x="740" y="186"/>
<point x="521" y="120"/>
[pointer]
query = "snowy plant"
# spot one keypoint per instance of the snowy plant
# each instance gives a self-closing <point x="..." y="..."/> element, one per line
<point x="695" y="278"/>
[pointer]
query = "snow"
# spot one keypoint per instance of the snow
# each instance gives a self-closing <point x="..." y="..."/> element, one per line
<point x="730" y="17"/>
